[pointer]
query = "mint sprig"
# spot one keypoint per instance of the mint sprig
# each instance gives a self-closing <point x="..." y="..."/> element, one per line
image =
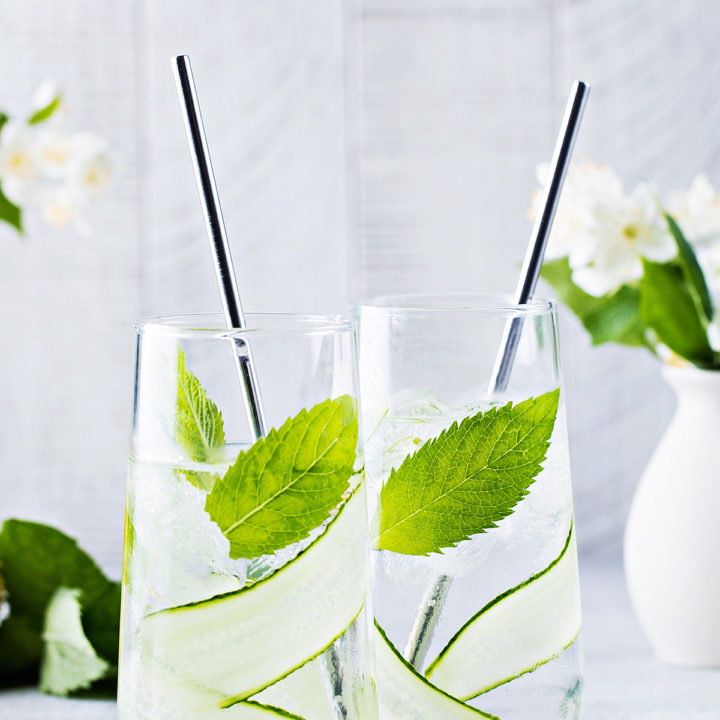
<point x="466" y="480"/>
<point x="199" y="428"/>
<point x="37" y="560"/>
<point x="287" y="483"/>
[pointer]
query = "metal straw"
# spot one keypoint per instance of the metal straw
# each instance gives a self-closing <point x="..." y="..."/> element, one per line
<point x="540" y="233"/>
<point x="217" y="235"/>
<point x="434" y="598"/>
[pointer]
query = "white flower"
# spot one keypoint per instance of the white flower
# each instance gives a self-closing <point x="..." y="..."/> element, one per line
<point x="697" y="210"/>
<point x="18" y="164"/>
<point x="618" y="232"/>
<point x="586" y="185"/>
<point x="63" y="207"/>
<point x="91" y="169"/>
<point x="54" y="153"/>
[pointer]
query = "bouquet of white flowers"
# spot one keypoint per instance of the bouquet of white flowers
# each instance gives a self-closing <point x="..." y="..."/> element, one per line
<point x="635" y="270"/>
<point x="43" y="166"/>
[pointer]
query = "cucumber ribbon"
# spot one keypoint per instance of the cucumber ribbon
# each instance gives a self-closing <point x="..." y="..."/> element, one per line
<point x="219" y="652"/>
<point x="517" y="632"/>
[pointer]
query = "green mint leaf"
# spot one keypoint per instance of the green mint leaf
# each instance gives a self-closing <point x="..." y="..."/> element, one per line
<point x="287" y="483"/>
<point x="45" y="113"/>
<point x="668" y="308"/>
<point x="69" y="661"/>
<point x="611" y="318"/>
<point x="20" y="650"/>
<point x="199" y="424"/>
<point x="10" y="213"/>
<point x="37" y="560"/>
<point x="467" y="479"/>
<point x="691" y="269"/>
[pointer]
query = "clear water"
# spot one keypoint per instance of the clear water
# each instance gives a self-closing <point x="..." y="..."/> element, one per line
<point x="480" y="569"/>
<point x="176" y="555"/>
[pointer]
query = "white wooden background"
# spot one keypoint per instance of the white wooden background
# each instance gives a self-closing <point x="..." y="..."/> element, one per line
<point x="444" y="108"/>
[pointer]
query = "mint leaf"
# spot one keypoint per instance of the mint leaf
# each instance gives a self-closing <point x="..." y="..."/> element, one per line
<point x="69" y="661"/>
<point x="45" y="113"/>
<point x="199" y="426"/>
<point x="20" y="650"/>
<point x="669" y="309"/>
<point x="691" y="269"/>
<point x="467" y="479"/>
<point x="10" y="213"/>
<point x="611" y="318"/>
<point x="287" y="483"/>
<point x="36" y="561"/>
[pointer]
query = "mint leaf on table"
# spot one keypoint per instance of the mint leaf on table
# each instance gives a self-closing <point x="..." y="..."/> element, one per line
<point x="287" y="483"/>
<point x="669" y="309"/>
<point x="69" y="661"/>
<point x="467" y="479"/>
<point x="20" y="650"/>
<point x="691" y="269"/>
<point x="37" y="560"/>
<point x="199" y="426"/>
<point x="610" y="318"/>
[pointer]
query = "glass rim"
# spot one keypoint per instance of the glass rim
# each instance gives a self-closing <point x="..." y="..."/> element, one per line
<point x="212" y="325"/>
<point x="476" y="303"/>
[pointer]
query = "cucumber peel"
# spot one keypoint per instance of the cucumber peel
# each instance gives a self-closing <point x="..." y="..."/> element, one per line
<point x="404" y="694"/>
<point x="515" y="633"/>
<point x="221" y="651"/>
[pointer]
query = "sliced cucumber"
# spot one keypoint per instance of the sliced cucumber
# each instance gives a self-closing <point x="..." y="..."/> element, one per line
<point x="515" y="633"/>
<point x="305" y="692"/>
<point x="404" y="694"/>
<point x="226" y="649"/>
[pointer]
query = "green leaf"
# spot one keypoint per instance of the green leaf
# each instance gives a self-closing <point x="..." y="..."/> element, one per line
<point x="3" y="119"/>
<point x="691" y="269"/>
<point x="199" y="426"/>
<point x="199" y="429"/>
<point x="69" y="661"/>
<point x="669" y="309"/>
<point x="36" y="561"/>
<point x="611" y="318"/>
<point x="287" y="483"/>
<point x="467" y="479"/>
<point x="45" y="113"/>
<point x="20" y="650"/>
<point x="10" y="212"/>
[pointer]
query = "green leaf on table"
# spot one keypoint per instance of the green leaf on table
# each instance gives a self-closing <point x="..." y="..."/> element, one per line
<point x="46" y="112"/>
<point x="69" y="661"/>
<point x="669" y="309"/>
<point x="691" y="269"/>
<point x="20" y="650"/>
<point x="10" y="212"/>
<point x="36" y="561"/>
<point x="287" y="483"/>
<point x="467" y="479"/>
<point x="3" y="119"/>
<point x="610" y="318"/>
<point x="199" y="426"/>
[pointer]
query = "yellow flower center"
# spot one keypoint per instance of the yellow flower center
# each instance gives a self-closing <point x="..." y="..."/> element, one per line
<point x="631" y="232"/>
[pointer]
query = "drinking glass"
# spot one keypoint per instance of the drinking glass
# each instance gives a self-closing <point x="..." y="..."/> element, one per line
<point x="476" y="595"/>
<point x="246" y="560"/>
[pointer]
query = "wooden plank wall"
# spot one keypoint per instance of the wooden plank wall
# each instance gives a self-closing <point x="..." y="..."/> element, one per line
<point x="449" y="106"/>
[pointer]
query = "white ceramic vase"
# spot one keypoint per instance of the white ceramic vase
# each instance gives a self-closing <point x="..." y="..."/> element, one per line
<point x="672" y="540"/>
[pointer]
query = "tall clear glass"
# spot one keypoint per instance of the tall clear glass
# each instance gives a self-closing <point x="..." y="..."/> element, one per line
<point x="246" y="561"/>
<point x="476" y="594"/>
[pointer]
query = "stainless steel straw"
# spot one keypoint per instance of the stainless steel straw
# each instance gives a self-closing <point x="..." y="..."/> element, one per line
<point x="540" y="233"/>
<point x="217" y="235"/>
<point x="434" y="599"/>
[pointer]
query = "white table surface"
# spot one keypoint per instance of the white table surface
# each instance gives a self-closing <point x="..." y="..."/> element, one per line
<point x="623" y="680"/>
